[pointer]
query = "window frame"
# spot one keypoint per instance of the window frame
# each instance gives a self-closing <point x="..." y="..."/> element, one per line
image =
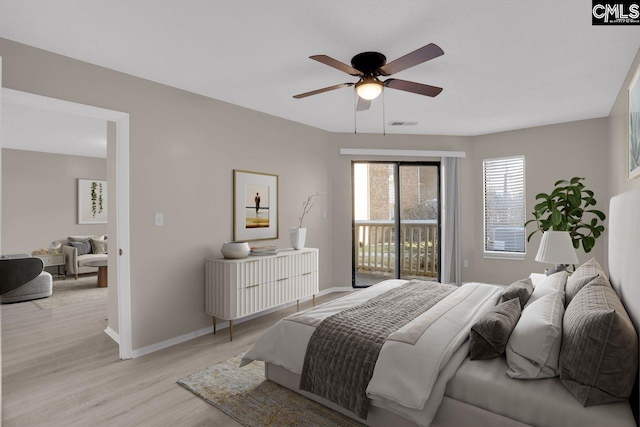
<point x="518" y="256"/>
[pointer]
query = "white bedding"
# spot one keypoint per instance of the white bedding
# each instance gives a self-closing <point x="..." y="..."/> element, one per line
<point x="409" y="380"/>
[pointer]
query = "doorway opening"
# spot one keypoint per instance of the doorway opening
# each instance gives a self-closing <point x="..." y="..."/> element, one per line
<point x="118" y="254"/>
<point x="395" y="221"/>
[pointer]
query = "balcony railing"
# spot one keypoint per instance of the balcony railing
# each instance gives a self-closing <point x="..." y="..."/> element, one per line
<point x="376" y="252"/>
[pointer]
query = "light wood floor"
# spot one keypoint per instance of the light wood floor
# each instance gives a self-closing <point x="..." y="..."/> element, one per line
<point x="59" y="368"/>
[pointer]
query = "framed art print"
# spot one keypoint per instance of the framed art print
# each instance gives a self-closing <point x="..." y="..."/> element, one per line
<point x="92" y="201"/>
<point x="634" y="126"/>
<point x="255" y="206"/>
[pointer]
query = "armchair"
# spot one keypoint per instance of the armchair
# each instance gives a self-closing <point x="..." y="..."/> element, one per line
<point x="22" y="278"/>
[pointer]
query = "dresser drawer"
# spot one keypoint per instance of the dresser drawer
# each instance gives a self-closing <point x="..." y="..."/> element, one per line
<point x="306" y="285"/>
<point x="251" y="299"/>
<point x="303" y="263"/>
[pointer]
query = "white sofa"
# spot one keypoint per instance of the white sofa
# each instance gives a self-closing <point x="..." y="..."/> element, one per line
<point x="75" y="263"/>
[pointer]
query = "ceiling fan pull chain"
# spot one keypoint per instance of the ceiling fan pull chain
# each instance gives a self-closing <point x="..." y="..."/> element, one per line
<point x="384" y="120"/>
<point x="355" y="116"/>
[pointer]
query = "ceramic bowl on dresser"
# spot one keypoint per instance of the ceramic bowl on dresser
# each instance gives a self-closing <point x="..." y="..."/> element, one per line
<point x="235" y="250"/>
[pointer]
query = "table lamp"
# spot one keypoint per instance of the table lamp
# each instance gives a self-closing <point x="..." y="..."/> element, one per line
<point x="556" y="248"/>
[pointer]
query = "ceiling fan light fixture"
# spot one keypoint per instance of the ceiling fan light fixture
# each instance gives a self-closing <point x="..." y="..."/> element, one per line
<point x="369" y="88"/>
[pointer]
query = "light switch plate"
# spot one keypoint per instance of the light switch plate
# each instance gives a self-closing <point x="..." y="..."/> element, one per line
<point x="159" y="219"/>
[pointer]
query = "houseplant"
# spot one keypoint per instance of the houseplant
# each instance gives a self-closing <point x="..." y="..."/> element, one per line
<point x="298" y="234"/>
<point x="567" y="208"/>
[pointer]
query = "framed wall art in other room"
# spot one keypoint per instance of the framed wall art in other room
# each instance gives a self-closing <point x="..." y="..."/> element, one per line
<point x="255" y="206"/>
<point x="92" y="201"/>
<point x="634" y="126"/>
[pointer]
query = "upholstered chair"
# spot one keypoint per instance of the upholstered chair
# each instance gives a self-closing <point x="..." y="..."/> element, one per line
<point x="22" y="278"/>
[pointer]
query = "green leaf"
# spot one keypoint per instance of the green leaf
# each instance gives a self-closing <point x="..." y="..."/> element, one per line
<point x="529" y="236"/>
<point x="575" y="201"/>
<point x="576" y="179"/>
<point x="594" y="222"/>
<point x="562" y="181"/>
<point x="540" y="206"/>
<point x="542" y="196"/>
<point x="598" y="213"/>
<point x="556" y="217"/>
<point x="556" y="192"/>
<point x="576" y="192"/>
<point x="528" y="222"/>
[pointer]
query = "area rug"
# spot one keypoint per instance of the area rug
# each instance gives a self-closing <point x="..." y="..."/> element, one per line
<point x="69" y="291"/>
<point x="249" y="398"/>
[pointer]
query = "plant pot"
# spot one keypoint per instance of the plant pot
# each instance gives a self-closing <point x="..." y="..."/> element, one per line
<point x="298" y="236"/>
<point x="235" y="250"/>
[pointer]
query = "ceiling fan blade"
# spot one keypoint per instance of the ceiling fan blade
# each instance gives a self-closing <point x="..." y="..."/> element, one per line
<point x="419" y="88"/>
<point x="424" y="54"/>
<point x="327" y="60"/>
<point x="363" y="104"/>
<point x="324" y="89"/>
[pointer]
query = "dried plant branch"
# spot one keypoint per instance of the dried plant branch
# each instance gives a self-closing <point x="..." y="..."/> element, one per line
<point x="306" y="206"/>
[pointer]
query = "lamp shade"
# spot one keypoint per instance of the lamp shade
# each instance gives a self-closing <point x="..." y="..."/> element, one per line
<point x="556" y="247"/>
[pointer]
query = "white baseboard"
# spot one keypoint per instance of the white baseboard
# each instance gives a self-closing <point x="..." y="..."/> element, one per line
<point x="222" y="324"/>
<point x="113" y="334"/>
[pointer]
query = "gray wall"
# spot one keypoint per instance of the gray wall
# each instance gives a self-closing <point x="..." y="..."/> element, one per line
<point x="551" y="153"/>
<point x="183" y="150"/>
<point x="185" y="146"/>
<point x="39" y="198"/>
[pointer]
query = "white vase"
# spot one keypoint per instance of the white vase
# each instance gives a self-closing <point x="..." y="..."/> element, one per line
<point x="235" y="250"/>
<point x="298" y="236"/>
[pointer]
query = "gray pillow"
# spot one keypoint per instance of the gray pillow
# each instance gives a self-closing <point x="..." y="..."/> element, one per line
<point x="77" y="238"/>
<point x="583" y="275"/>
<point x="83" y="247"/>
<point x="522" y="289"/>
<point x="490" y="334"/>
<point x="599" y="355"/>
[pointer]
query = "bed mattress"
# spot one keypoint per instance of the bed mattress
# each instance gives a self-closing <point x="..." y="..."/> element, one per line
<point x="542" y="403"/>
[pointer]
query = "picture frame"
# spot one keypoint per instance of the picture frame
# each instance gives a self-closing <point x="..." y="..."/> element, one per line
<point x="255" y="206"/>
<point x="92" y="201"/>
<point x="634" y="126"/>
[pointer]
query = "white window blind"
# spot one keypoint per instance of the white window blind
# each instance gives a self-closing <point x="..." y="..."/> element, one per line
<point x="504" y="207"/>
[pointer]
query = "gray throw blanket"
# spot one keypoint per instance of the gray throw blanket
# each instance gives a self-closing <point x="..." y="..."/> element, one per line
<point x="344" y="348"/>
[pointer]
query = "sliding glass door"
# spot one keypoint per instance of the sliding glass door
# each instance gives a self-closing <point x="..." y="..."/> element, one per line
<point x="396" y="222"/>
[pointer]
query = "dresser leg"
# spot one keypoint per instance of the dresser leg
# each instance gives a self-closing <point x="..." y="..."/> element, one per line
<point x="230" y="330"/>
<point x="314" y="300"/>
<point x="298" y="305"/>
<point x="214" y="325"/>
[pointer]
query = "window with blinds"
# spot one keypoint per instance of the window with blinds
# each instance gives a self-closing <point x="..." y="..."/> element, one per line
<point x="504" y="207"/>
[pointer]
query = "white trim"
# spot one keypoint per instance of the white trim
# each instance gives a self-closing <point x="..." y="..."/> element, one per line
<point x="122" y="190"/>
<point x="518" y="256"/>
<point x="1" y="99"/>
<point x="399" y="153"/>
<point x="223" y="324"/>
<point x="113" y="334"/>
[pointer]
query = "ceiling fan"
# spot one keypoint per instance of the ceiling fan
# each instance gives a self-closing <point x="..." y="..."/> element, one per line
<point x="369" y="65"/>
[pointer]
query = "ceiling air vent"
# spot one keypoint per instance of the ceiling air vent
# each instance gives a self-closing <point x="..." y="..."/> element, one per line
<point x="403" y="123"/>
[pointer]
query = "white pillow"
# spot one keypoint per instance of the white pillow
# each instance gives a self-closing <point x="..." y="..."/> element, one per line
<point x="550" y="284"/>
<point x="533" y="348"/>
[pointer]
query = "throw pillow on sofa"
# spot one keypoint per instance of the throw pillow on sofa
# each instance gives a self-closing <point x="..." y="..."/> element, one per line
<point x="83" y="247"/>
<point x="99" y="246"/>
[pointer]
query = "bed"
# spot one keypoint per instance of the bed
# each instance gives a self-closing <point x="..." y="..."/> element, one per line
<point x="465" y="392"/>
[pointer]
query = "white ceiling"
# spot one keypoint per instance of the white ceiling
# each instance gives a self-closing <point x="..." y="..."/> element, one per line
<point x="35" y="129"/>
<point x="507" y="65"/>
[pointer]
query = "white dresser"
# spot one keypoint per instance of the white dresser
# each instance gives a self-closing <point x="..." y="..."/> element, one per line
<point x="236" y="288"/>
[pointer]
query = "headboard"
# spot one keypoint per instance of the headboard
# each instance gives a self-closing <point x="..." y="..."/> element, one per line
<point x="624" y="260"/>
